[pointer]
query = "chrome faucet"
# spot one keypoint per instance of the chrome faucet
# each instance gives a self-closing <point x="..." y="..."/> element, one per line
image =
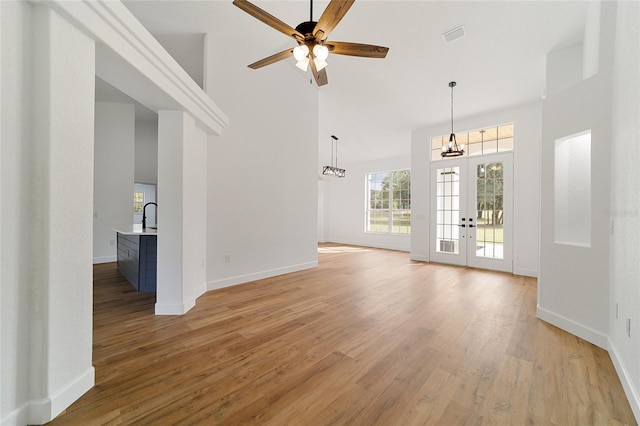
<point x="144" y="214"/>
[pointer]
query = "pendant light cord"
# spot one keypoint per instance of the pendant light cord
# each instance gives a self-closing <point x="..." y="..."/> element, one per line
<point x="452" y="84"/>
<point x="334" y="142"/>
<point x="451" y="149"/>
<point x="311" y="10"/>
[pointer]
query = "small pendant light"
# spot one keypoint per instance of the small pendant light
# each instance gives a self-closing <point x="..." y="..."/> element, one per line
<point x="333" y="169"/>
<point x="452" y="149"/>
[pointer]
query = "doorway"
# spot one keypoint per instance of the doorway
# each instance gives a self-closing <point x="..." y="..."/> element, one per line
<point x="472" y="212"/>
<point x="144" y="193"/>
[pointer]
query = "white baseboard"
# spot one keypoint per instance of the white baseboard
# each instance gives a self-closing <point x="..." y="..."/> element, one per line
<point x="633" y="395"/>
<point x="202" y="289"/>
<point x="174" y="308"/>
<point x="369" y="244"/>
<point x="105" y="259"/>
<point x="19" y="416"/>
<point x="191" y="302"/>
<point x="181" y="308"/>
<point x="526" y="272"/>
<point x="67" y="396"/>
<point x="41" y="411"/>
<point x="419" y="257"/>
<point x="592" y="336"/>
<point x="241" y="279"/>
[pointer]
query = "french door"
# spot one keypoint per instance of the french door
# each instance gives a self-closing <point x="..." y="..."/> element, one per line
<point x="472" y="211"/>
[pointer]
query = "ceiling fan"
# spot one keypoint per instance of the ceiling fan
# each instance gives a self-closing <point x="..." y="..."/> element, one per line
<point x="311" y="36"/>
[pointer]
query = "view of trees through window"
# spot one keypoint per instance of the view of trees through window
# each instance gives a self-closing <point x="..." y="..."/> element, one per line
<point x="490" y="209"/>
<point x="389" y="202"/>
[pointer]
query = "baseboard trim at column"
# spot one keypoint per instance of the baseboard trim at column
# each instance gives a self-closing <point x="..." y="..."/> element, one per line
<point x="174" y="309"/>
<point x="41" y="411"/>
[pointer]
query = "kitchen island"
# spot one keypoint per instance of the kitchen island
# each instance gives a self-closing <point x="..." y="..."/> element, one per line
<point x="137" y="256"/>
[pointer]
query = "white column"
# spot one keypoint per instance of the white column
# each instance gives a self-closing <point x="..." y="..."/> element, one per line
<point x="171" y="135"/>
<point x="181" y="212"/>
<point x="61" y="215"/>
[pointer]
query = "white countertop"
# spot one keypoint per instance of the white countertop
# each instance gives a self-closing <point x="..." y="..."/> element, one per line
<point x="136" y="230"/>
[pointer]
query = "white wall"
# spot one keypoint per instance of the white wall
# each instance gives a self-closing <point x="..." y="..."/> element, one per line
<point x="262" y="172"/>
<point x="624" y="213"/>
<point x="324" y="183"/>
<point x="573" y="287"/>
<point x="47" y="186"/>
<point x="146" y="165"/>
<point x="526" y="119"/>
<point x="113" y="176"/>
<point x="15" y="151"/>
<point x="194" y="213"/>
<point x="146" y="152"/>
<point x="564" y="68"/>
<point x="345" y="204"/>
<point x="47" y="128"/>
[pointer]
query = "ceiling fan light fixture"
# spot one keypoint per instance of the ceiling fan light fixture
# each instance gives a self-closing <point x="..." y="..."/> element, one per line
<point x="303" y="64"/>
<point x="300" y="52"/>
<point x="320" y="64"/>
<point x="321" y="52"/>
<point x="310" y="37"/>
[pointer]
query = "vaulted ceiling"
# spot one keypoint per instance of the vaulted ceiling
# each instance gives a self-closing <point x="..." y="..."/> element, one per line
<point x="374" y="104"/>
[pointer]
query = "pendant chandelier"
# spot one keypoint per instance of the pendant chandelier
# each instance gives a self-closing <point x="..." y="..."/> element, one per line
<point x="452" y="149"/>
<point x="333" y="169"/>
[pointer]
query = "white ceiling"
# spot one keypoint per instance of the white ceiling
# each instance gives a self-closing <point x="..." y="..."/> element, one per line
<point x="374" y="104"/>
<point x="107" y="93"/>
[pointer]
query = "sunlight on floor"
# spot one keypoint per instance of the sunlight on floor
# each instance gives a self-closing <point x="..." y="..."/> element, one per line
<point x="341" y="249"/>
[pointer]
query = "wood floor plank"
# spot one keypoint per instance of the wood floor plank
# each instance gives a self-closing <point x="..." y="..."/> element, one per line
<point x="548" y="396"/>
<point x="369" y="337"/>
<point x="428" y="404"/>
<point x="508" y="401"/>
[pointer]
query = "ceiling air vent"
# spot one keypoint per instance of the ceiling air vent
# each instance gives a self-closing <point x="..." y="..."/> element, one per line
<point x="453" y="34"/>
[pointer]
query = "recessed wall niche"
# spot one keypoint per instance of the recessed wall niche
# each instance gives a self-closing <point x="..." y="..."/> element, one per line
<point x="572" y="190"/>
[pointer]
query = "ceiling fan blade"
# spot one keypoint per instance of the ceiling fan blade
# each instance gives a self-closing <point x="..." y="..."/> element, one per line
<point x="272" y="59"/>
<point x="319" y="76"/>
<point x="331" y="16"/>
<point x="357" y="49"/>
<point x="267" y="18"/>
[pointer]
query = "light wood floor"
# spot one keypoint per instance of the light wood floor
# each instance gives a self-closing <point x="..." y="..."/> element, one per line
<point x="367" y="338"/>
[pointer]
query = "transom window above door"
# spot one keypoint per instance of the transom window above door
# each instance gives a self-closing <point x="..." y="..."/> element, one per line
<point x="488" y="140"/>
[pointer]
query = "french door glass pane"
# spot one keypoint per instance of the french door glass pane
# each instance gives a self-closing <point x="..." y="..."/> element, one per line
<point x="489" y="213"/>
<point x="448" y="210"/>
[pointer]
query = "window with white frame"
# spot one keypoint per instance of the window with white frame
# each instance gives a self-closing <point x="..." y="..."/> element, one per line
<point x="389" y="202"/>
